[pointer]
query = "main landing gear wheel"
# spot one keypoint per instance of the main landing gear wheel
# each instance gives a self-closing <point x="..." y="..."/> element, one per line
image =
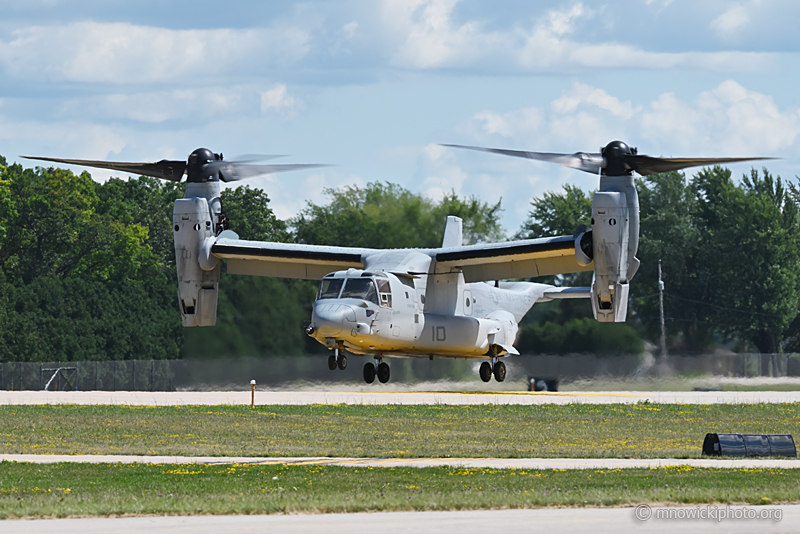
<point x="383" y="372"/>
<point x="332" y="362"/>
<point x="499" y="371"/>
<point x="342" y="362"/>
<point x="485" y="371"/>
<point x="369" y="372"/>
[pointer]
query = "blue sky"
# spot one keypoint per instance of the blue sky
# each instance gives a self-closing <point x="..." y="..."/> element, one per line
<point x="372" y="86"/>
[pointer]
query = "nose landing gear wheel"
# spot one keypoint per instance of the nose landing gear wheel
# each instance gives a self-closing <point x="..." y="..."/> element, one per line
<point x="499" y="371"/>
<point x="383" y="372"/>
<point x="331" y="362"/>
<point x="342" y="362"/>
<point x="485" y="371"/>
<point x="369" y="373"/>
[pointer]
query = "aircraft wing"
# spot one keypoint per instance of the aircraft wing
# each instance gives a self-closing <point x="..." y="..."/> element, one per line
<point x="514" y="259"/>
<point x="286" y="260"/>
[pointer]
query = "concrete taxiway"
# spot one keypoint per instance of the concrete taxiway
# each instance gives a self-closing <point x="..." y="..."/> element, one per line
<point x="179" y="398"/>
<point x="490" y="463"/>
<point x="784" y="518"/>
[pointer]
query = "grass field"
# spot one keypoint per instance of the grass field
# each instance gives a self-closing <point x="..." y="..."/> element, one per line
<point x="62" y="490"/>
<point x="573" y="431"/>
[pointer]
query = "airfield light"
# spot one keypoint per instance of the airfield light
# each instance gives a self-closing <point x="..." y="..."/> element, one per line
<point x="252" y="393"/>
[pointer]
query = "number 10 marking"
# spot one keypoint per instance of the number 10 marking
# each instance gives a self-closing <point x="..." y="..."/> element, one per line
<point x="438" y="333"/>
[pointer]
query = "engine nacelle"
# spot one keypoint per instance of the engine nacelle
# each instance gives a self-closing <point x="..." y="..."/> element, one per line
<point x="195" y="221"/>
<point x="610" y="236"/>
<point x="584" y="248"/>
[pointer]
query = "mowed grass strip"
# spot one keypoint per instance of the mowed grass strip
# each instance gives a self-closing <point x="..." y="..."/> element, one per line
<point x="572" y="431"/>
<point x="63" y="490"/>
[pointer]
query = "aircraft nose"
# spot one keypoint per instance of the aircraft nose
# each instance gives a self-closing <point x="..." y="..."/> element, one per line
<point x="329" y="319"/>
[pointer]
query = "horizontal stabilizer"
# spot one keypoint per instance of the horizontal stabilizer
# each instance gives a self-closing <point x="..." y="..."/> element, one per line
<point x="566" y="293"/>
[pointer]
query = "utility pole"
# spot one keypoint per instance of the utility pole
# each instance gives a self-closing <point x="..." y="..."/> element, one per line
<point x="661" y="306"/>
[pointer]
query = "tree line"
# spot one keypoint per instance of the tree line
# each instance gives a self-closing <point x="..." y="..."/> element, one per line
<point x="87" y="269"/>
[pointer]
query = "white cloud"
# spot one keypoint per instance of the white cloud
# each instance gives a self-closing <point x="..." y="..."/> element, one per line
<point x="349" y="30"/>
<point x="65" y="139"/>
<point x="578" y="120"/>
<point x="583" y="94"/>
<point x="277" y="99"/>
<point x="515" y="123"/>
<point x="186" y="105"/>
<point x="726" y="121"/>
<point x="734" y="20"/>
<point x="442" y="175"/>
<point x="435" y="152"/>
<point x="561" y="22"/>
<point x="122" y="53"/>
<point x="430" y="38"/>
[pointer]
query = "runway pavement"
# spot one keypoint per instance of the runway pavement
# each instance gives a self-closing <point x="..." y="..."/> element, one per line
<point x="179" y="398"/>
<point x="492" y="463"/>
<point x="784" y="518"/>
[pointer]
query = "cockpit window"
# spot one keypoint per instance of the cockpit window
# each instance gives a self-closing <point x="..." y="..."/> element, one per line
<point x="330" y="287"/>
<point x="360" y="288"/>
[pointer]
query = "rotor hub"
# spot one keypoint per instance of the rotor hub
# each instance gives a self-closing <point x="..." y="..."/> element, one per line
<point x="615" y="155"/>
<point x="200" y="167"/>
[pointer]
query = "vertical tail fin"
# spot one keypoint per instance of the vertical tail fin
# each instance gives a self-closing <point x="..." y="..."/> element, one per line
<point x="452" y="233"/>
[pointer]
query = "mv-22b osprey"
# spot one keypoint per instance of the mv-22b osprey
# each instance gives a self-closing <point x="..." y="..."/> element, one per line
<point x="446" y="302"/>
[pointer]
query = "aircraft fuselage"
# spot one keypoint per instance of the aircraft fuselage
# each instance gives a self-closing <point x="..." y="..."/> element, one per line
<point x="383" y="314"/>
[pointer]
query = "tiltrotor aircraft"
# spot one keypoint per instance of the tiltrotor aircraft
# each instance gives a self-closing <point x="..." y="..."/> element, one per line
<point x="446" y="302"/>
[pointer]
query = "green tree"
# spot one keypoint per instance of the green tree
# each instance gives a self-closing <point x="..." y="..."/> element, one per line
<point x="385" y="215"/>
<point x="750" y="255"/>
<point x="77" y="283"/>
<point x="557" y="213"/>
<point x="250" y="215"/>
<point x="480" y="221"/>
<point x="579" y="336"/>
<point x="669" y="232"/>
<point x="145" y="201"/>
<point x="6" y="202"/>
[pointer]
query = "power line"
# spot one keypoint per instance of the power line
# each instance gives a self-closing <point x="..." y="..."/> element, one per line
<point x="671" y="319"/>
<point x="749" y="312"/>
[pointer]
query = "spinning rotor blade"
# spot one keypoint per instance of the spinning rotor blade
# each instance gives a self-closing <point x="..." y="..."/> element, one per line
<point x="582" y="161"/>
<point x="231" y="172"/>
<point x="168" y="170"/>
<point x="250" y="158"/>
<point x="616" y="159"/>
<point x="646" y="165"/>
<point x="203" y="166"/>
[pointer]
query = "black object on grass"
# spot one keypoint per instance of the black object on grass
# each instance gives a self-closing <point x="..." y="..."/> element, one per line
<point x="749" y="445"/>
